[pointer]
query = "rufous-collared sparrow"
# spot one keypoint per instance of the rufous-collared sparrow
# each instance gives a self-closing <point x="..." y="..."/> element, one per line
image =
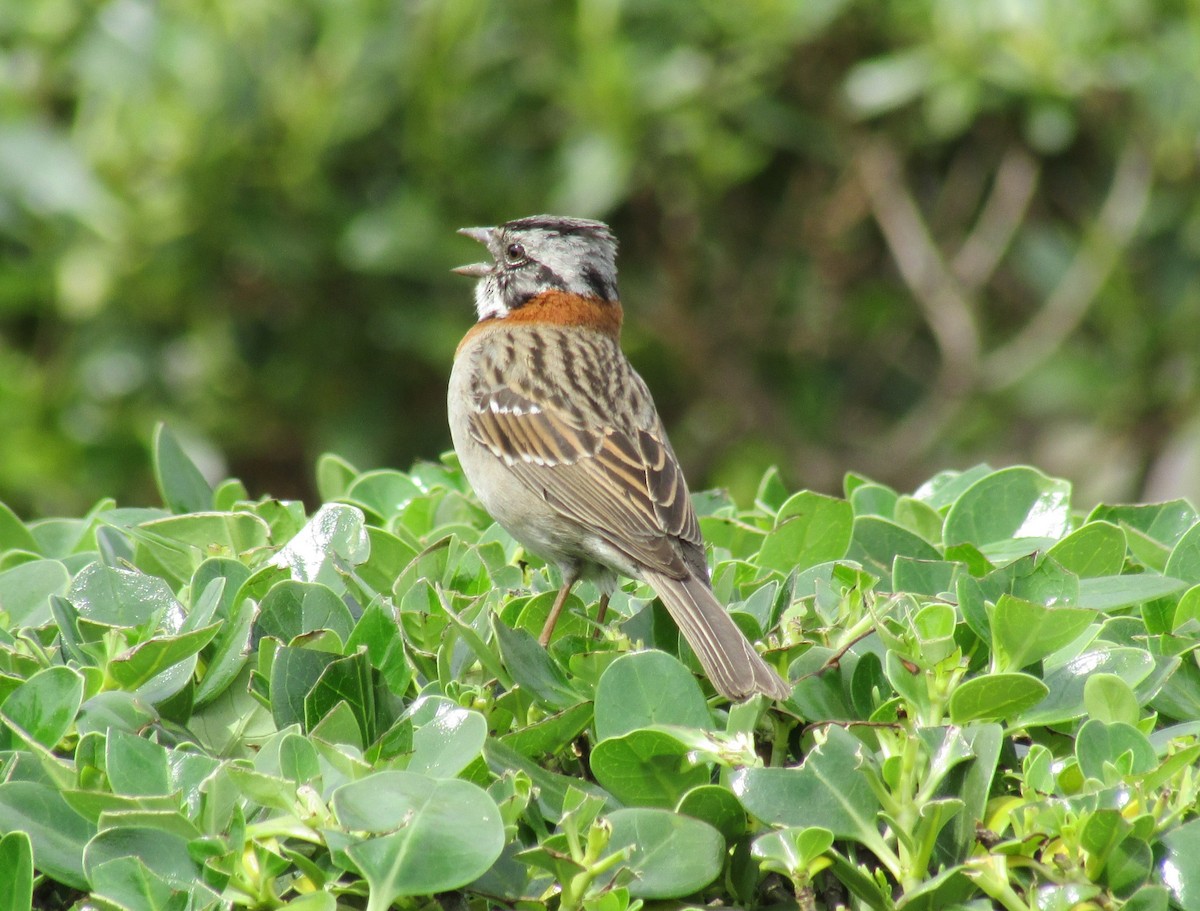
<point x="562" y="443"/>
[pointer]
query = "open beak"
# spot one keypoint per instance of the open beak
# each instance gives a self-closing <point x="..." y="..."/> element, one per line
<point x="484" y="236"/>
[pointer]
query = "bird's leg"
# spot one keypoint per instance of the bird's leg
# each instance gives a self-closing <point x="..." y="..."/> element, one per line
<point x="569" y="579"/>
<point x="600" y="616"/>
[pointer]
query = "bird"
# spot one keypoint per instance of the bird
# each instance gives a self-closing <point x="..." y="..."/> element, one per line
<point x="562" y="443"/>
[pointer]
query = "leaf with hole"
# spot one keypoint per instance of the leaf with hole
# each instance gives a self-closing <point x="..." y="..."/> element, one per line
<point x="424" y="835"/>
<point x="809" y="529"/>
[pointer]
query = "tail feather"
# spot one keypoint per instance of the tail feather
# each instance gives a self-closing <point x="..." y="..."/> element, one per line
<point x="730" y="661"/>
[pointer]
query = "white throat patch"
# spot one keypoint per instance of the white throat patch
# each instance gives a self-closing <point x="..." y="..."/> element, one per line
<point x="489" y="304"/>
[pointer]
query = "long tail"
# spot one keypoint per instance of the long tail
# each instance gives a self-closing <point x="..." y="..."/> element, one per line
<point x="728" y="658"/>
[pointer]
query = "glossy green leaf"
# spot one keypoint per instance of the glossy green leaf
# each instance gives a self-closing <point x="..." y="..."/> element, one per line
<point x="831" y="789"/>
<point x="945" y="487"/>
<point x="1110" y="592"/>
<point x="446" y="737"/>
<point x="1034" y="578"/>
<point x="1066" y="682"/>
<point x="429" y="835"/>
<point x="298" y="759"/>
<point x="377" y="631"/>
<point x="57" y="832"/>
<point x="819" y="692"/>
<point x="551" y="788"/>
<point x="923" y="577"/>
<point x="1180" y="865"/>
<point x="125" y="597"/>
<point x="147" y="659"/>
<point x="1098" y="743"/>
<point x="550" y="734"/>
<point x="1164" y="522"/>
<point x="869" y="498"/>
<point x="129" y="883"/>
<point x="906" y="678"/>
<point x="643" y="689"/>
<point x="772" y="491"/>
<point x="742" y="540"/>
<point x="345" y="681"/>
<point x="1012" y="503"/>
<point x="228" y="494"/>
<point x="673" y="855"/>
<point x="532" y="668"/>
<point x="1129" y="868"/>
<point x="59" y="538"/>
<point x="334" y="476"/>
<point x="334" y="534"/>
<point x="1187" y="612"/>
<point x="292" y="608"/>
<point x="1108" y="698"/>
<point x="998" y="696"/>
<point x="1184" y="562"/>
<point x="389" y="555"/>
<point x="1024" y="632"/>
<point x="25" y="591"/>
<point x="646" y="768"/>
<point x="1179" y="698"/>
<point x="231" y="573"/>
<point x="869" y="686"/>
<point x="809" y="529"/>
<point x="211" y="534"/>
<point x="716" y="806"/>
<point x="294" y="673"/>
<point x="969" y="781"/>
<point x="1102" y="831"/>
<point x="163" y="854"/>
<point x="920" y="518"/>
<point x="43" y="708"/>
<point x="791" y="851"/>
<point x="228" y="652"/>
<point x="16" y="872"/>
<point x="1066" y="897"/>
<point x="1094" y="549"/>
<point x="136" y="766"/>
<point x="180" y="483"/>
<point x="934" y="627"/>
<point x="313" y="901"/>
<point x="1148" y="898"/>
<point x="1151" y="530"/>
<point x="878" y="542"/>
<point x="13" y="533"/>
<point x="385" y="492"/>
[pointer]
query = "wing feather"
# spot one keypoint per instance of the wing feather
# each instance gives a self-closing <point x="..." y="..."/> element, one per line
<point x="622" y="481"/>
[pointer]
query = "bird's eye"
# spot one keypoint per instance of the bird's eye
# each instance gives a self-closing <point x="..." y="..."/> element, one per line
<point x="514" y="253"/>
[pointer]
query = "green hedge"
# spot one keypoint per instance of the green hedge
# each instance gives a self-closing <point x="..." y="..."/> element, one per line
<point x="893" y="234"/>
<point x="228" y="700"/>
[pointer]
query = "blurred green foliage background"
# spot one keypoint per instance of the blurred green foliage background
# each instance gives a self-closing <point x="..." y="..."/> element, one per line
<point x="887" y="236"/>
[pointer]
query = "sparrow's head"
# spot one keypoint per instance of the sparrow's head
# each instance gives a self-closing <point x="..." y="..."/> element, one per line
<point x="541" y="253"/>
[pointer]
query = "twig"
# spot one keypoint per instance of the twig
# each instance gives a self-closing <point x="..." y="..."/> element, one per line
<point x="948" y="312"/>
<point x="1012" y="191"/>
<point x="1094" y="261"/>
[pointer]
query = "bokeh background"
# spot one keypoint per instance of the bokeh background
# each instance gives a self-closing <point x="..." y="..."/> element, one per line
<point x="886" y="236"/>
